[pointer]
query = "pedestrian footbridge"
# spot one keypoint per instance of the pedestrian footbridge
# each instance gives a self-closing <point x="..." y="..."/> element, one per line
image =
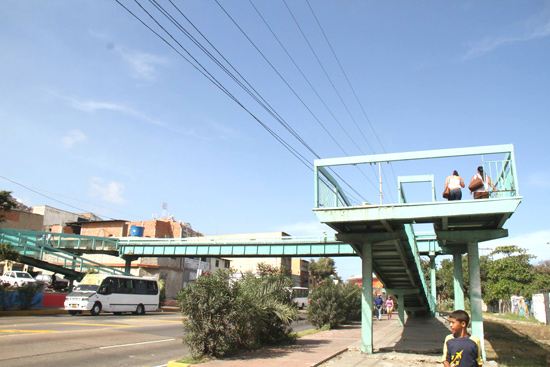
<point x="384" y="235"/>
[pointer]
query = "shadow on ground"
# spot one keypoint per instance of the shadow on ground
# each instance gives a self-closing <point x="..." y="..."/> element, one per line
<point x="421" y="335"/>
<point x="509" y="346"/>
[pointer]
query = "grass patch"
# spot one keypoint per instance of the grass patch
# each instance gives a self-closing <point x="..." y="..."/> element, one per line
<point x="513" y="317"/>
<point x="516" y="344"/>
<point x="303" y="333"/>
<point x="191" y="360"/>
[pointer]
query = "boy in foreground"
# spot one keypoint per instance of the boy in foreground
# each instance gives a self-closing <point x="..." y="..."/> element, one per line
<point x="460" y="348"/>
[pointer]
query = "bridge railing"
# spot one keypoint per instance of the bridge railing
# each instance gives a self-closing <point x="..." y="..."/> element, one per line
<point x="330" y="194"/>
<point x="32" y="244"/>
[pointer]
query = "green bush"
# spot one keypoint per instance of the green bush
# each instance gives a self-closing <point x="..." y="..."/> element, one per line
<point x="266" y="309"/>
<point x="333" y="304"/>
<point x="326" y="306"/>
<point x="162" y="293"/>
<point x="224" y="315"/>
<point x="25" y="296"/>
<point x="352" y="302"/>
<point x="209" y="305"/>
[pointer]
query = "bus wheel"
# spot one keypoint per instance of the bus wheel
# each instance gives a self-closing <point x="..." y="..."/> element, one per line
<point x="73" y="312"/>
<point x="96" y="309"/>
<point x="140" y="310"/>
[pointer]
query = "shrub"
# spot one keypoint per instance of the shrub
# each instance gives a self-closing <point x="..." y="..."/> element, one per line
<point x="333" y="304"/>
<point x="265" y="310"/>
<point x="162" y="293"/>
<point x="25" y="296"/>
<point x="326" y="306"/>
<point x="351" y="296"/>
<point x="209" y="305"/>
<point x="224" y="315"/>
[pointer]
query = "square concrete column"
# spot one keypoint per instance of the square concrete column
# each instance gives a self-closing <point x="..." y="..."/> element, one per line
<point x="475" y="294"/>
<point x="367" y="307"/>
<point x="458" y="282"/>
<point x="433" y="280"/>
<point x="401" y="309"/>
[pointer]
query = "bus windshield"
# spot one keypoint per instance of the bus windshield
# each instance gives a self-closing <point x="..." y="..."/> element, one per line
<point x="86" y="288"/>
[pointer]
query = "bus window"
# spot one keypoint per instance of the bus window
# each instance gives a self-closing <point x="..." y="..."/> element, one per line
<point x="152" y="287"/>
<point x="141" y="286"/>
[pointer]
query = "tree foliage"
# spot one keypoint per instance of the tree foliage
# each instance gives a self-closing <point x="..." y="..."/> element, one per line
<point x="8" y="252"/>
<point x="7" y="203"/>
<point x="511" y="273"/>
<point x="507" y="271"/>
<point x="322" y="269"/>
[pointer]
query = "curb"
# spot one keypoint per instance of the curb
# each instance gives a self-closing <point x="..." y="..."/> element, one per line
<point x="56" y="311"/>
<point x="330" y="357"/>
<point x="62" y="311"/>
<point x="177" y="364"/>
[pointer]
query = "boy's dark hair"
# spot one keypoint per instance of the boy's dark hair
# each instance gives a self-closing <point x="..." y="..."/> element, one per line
<point x="460" y="315"/>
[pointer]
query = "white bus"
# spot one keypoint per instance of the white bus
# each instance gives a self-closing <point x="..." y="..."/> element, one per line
<point x="114" y="293"/>
<point x="300" y="296"/>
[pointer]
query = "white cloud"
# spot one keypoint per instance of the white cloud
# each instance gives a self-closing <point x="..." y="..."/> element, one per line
<point x="94" y="106"/>
<point x="536" y="243"/>
<point x="541" y="30"/>
<point x="109" y="191"/>
<point x="73" y="137"/>
<point x="142" y="65"/>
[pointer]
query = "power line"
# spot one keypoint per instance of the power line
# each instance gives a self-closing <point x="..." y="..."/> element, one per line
<point x="324" y="70"/>
<point x="286" y="82"/>
<point x="353" y="91"/>
<point x="213" y="80"/>
<point x="218" y="84"/>
<point x="61" y="202"/>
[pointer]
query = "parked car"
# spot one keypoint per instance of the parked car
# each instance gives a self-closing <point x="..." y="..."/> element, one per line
<point x="59" y="285"/>
<point x="17" y="278"/>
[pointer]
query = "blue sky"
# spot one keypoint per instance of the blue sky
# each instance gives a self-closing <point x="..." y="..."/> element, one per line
<point x="100" y="114"/>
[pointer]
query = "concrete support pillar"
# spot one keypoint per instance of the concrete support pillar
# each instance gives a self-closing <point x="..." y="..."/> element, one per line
<point x="433" y="280"/>
<point x="458" y="282"/>
<point x="73" y="267"/>
<point x="127" y="264"/>
<point x="367" y="306"/>
<point x="475" y="294"/>
<point x="401" y="309"/>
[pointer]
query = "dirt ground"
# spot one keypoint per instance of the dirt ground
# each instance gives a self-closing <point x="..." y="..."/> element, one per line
<point x="516" y="343"/>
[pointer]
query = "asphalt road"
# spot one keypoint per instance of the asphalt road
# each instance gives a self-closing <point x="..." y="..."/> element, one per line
<point x="85" y="341"/>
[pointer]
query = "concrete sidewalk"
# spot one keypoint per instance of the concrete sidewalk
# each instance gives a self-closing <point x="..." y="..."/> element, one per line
<point x="420" y="343"/>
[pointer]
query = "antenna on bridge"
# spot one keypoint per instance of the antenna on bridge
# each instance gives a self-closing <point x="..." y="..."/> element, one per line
<point x="164" y="208"/>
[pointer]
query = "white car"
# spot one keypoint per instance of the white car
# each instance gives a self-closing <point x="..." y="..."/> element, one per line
<point x="17" y="278"/>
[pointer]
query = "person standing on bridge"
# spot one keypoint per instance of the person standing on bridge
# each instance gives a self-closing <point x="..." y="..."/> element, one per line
<point x="481" y="192"/>
<point x="378" y="302"/>
<point x="454" y="184"/>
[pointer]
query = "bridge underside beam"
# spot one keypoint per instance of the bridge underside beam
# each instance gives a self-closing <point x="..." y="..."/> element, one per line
<point x="241" y="250"/>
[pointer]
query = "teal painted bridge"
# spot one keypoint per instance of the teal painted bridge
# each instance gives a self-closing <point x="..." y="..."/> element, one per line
<point x="383" y="235"/>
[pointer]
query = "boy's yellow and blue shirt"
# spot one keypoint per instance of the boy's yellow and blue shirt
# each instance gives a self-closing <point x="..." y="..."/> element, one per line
<point x="463" y="352"/>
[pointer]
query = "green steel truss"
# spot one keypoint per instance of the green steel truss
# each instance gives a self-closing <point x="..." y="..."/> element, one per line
<point x="45" y="250"/>
<point x="388" y="228"/>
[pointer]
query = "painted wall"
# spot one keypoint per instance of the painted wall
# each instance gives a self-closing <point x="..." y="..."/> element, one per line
<point x="18" y="219"/>
<point x="54" y="216"/>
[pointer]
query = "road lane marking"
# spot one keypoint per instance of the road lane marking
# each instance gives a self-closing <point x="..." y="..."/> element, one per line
<point x="129" y="345"/>
<point x="177" y="321"/>
<point x="26" y="331"/>
<point x="85" y="324"/>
